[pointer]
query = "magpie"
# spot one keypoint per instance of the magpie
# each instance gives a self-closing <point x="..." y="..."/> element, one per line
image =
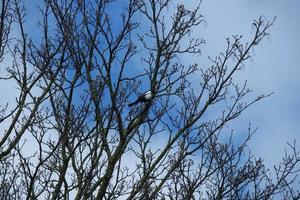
<point x="147" y="96"/>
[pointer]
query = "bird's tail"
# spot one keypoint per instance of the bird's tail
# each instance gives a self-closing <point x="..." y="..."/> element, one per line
<point x="133" y="103"/>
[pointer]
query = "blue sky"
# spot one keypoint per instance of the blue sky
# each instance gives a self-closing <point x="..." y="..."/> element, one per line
<point x="275" y="68"/>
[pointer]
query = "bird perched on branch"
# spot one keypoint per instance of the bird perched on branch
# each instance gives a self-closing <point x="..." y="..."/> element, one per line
<point x="147" y="96"/>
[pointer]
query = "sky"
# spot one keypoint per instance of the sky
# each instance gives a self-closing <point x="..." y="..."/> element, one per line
<point x="275" y="68"/>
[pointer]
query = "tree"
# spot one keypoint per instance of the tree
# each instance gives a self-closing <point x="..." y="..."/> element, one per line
<point x="71" y="135"/>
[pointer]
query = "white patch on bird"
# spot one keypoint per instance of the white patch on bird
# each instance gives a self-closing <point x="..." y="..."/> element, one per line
<point x="148" y="95"/>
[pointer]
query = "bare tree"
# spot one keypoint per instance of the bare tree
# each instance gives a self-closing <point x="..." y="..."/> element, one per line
<point x="71" y="134"/>
<point x="5" y="24"/>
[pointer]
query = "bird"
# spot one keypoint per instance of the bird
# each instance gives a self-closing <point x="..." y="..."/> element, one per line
<point x="147" y="96"/>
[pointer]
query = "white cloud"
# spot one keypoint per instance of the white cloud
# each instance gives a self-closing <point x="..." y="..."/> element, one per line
<point x="275" y="68"/>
